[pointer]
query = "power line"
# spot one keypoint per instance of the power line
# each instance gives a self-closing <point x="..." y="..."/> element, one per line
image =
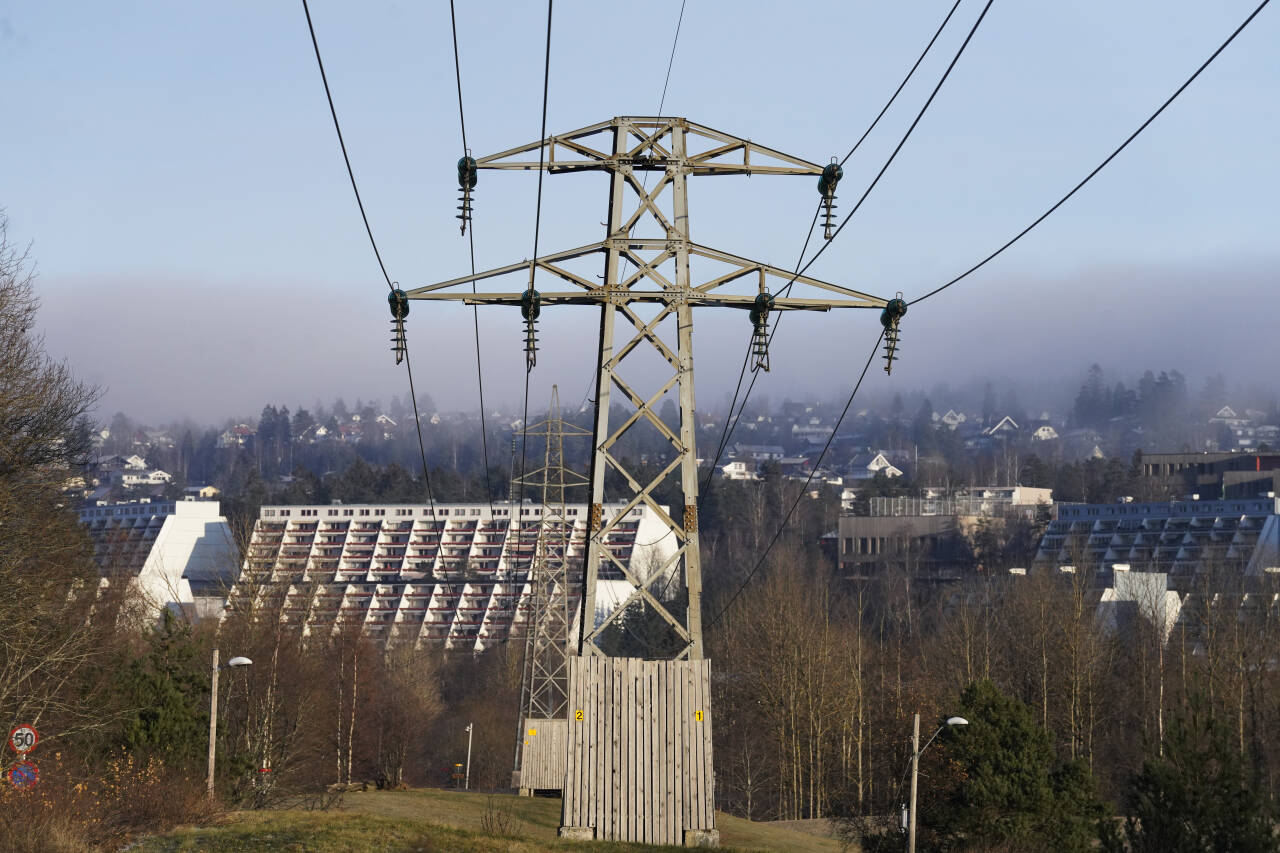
<point x="1040" y="219"/>
<point x="887" y="163"/>
<point x="671" y="61"/>
<point x="727" y="432"/>
<point x="471" y="235"/>
<point x="903" y="84"/>
<point x="537" y="227"/>
<point x="342" y="144"/>
<point x="731" y="421"/>
<point x="413" y="397"/>
<point x="546" y="82"/>
<point x="803" y="489"/>
<point x="1101" y="165"/>
<point x="457" y="70"/>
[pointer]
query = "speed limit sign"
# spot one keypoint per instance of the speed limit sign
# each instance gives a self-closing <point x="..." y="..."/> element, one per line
<point x="23" y="739"/>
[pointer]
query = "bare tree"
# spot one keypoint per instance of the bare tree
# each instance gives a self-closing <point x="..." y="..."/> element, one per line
<point x="48" y="582"/>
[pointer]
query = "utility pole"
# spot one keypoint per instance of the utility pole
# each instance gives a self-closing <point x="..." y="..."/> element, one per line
<point x="654" y="276"/>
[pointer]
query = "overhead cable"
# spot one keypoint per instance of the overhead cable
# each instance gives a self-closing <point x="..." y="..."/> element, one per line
<point x="1042" y="217"/>
<point x="537" y="225"/>
<point x="732" y="420"/>
<point x="471" y="234"/>
<point x="417" y="419"/>
<point x="804" y="490"/>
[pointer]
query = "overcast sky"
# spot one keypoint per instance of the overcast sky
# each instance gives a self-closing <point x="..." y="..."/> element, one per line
<point x="175" y="170"/>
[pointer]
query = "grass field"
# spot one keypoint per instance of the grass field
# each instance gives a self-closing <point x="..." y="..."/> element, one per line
<point x="439" y="820"/>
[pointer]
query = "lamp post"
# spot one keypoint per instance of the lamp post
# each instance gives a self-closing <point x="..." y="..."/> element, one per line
<point x="916" y="751"/>
<point x="213" y="709"/>
<point x="466" y="785"/>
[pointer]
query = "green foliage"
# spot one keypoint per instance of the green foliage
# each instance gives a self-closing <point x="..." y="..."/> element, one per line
<point x="1196" y="797"/>
<point x="1002" y="785"/>
<point x="167" y="690"/>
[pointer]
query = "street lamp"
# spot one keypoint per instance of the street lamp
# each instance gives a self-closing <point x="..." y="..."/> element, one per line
<point x="916" y="751"/>
<point x="213" y="707"/>
<point x="466" y="785"/>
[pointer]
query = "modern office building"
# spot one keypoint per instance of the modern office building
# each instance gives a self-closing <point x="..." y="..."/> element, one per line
<point x="455" y="574"/>
<point x="1214" y="475"/>
<point x="177" y="555"/>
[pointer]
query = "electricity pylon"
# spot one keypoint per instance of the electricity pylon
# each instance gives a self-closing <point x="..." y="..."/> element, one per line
<point x="677" y="149"/>
<point x="670" y="276"/>
<point x="545" y="683"/>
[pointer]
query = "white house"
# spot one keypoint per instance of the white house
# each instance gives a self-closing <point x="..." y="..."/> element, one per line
<point x="865" y="466"/>
<point x="739" y="470"/>
<point x="1044" y="432"/>
<point x="137" y="478"/>
<point x="1227" y="415"/>
<point x="1006" y="427"/>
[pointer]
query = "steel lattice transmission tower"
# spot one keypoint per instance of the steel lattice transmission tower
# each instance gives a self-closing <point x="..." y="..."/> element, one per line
<point x="544" y="686"/>
<point x="654" y="275"/>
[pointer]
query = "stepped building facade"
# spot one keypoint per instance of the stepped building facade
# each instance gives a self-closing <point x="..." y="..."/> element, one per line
<point x="456" y="574"/>
<point x="177" y="555"/>
<point x="1181" y="538"/>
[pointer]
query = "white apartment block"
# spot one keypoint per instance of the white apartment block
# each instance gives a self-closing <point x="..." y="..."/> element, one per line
<point x="178" y="555"/>
<point x="454" y="573"/>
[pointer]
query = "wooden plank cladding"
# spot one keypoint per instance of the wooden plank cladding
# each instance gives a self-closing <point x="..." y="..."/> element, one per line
<point x="639" y="750"/>
<point x="542" y="759"/>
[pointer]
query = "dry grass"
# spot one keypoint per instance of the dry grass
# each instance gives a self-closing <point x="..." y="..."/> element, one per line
<point x="539" y="818"/>
<point x="99" y="813"/>
<point x="442" y="820"/>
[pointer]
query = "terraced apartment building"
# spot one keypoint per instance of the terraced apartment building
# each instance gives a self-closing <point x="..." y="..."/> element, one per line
<point x="1181" y="537"/>
<point x="453" y="573"/>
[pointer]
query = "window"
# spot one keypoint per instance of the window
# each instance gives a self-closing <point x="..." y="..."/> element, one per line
<point x="379" y="512"/>
<point x="348" y="512"/>
<point x="268" y="512"/>
<point x="475" y="512"/>
<point x="284" y="512"/>
<point x="364" y="512"/>
<point x="332" y="512"/>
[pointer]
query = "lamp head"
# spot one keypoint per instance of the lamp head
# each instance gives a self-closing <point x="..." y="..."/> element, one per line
<point x="957" y="721"/>
<point x="239" y="661"/>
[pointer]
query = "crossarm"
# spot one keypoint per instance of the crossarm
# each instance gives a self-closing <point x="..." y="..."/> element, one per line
<point x="545" y="262"/>
<point x="655" y="296"/>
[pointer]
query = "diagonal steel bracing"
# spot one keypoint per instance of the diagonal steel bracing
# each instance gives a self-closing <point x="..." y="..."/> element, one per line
<point x="545" y="683"/>
<point x="657" y="271"/>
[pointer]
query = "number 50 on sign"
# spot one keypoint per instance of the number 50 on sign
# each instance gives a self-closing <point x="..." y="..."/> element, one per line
<point x="23" y="739"/>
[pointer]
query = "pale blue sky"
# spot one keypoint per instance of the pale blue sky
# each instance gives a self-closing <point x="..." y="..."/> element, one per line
<point x="176" y="171"/>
